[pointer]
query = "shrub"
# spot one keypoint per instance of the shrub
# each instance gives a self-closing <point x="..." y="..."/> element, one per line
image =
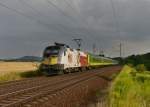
<point x="31" y="74"/>
<point x="141" y="68"/>
<point x="140" y="79"/>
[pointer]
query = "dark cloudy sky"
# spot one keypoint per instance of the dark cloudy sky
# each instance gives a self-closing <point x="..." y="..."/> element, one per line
<point x="28" y="26"/>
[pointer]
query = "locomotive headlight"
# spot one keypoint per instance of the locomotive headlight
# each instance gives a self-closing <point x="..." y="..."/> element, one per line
<point x="53" y="60"/>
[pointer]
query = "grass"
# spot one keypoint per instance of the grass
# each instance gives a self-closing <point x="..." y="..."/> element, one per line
<point x="9" y="77"/>
<point x="130" y="89"/>
<point x="19" y="75"/>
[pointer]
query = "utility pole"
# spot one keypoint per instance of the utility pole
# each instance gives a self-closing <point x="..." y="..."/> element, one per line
<point x="94" y="48"/>
<point x="120" y="50"/>
<point x="101" y="53"/>
<point x="78" y="42"/>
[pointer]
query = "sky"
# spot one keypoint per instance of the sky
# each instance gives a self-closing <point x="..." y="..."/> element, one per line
<point x="28" y="26"/>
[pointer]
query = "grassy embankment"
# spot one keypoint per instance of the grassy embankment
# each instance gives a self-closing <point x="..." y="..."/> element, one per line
<point x="131" y="88"/>
<point x="18" y="70"/>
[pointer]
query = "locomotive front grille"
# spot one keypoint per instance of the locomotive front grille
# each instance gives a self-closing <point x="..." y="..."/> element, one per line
<point x="53" y="67"/>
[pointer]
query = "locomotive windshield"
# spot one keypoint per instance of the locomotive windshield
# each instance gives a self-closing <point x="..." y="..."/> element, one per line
<point x="52" y="50"/>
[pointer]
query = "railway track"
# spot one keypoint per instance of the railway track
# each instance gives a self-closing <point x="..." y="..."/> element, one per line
<point x="26" y="93"/>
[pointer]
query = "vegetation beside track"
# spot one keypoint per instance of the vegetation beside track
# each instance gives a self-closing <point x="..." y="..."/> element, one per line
<point x="131" y="88"/>
<point x="136" y="60"/>
<point x="19" y="75"/>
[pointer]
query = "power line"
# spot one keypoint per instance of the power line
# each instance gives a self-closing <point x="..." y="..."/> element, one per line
<point x="79" y="14"/>
<point x="117" y="29"/>
<point x="28" y="5"/>
<point x="72" y="7"/>
<point x="64" y="13"/>
<point x="32" y="18"/>
<point x="59" y="9"/>
<point x="94" y="48"/>
<point x="37" y="20"/>
<point x="16" y="11"/>
<point x="22" y="14"/>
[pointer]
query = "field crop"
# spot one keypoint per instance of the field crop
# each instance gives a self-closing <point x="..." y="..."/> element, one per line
<point x="18" y="70"/>
<point x="130" y="89"/>
<point x="9" y="67"/>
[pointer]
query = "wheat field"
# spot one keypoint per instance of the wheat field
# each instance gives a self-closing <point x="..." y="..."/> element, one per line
<point x="8" y="67"/>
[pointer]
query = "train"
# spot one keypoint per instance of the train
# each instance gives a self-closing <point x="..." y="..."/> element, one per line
<point x="60" y="59"/>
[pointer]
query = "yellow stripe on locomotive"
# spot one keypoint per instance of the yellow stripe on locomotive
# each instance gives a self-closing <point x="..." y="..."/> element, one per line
<point x="50" y="61"/>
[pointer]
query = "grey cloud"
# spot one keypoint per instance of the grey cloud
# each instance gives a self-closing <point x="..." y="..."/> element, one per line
<point x="91" y="20"/>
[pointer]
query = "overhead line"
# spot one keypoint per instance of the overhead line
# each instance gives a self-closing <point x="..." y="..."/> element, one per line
<point x="118" y="31"/>
<point x="16" y="11"/>
<point x="68" y="3"/>
<point x="32" y="18"/>
<point x="62" y="12"/>
<point x="83" y="21"/>
<point x="115" y="19"/>
<point x="59" y="9"/>
<point x="28" y="16"/>
<point x="28" y="5"/>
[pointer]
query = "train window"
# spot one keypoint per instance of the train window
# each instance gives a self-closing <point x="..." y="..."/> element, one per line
<point x="51" y="51"/>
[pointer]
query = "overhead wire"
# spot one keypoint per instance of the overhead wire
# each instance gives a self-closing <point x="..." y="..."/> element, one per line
<point x="117" y="26"/>
<point x="58" y="26"/>
<point x="50" y="3"/>
<point x="37" y="20"/>
<point x="59" y="9"/>
<point x="72" y="7"/>
<point x="86" y="32"/>
<point x="68" y="16"/>
<point x="20" y="13"/>
<point x="117" y="30"/>
<point x="39" y="13"/>
<point x="82" y="20"/>
<point x="79" y="15"/>
<point x="16" y="11"/>
<point x="32" y="18"/>
<point x="23" y="2"/>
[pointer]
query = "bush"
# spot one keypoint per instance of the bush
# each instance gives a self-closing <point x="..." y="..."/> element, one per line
<point x="30" y="74"/>
<point x="140" y="78"/>
<point x="130" y="65"/>
<point x="141" y="68"/>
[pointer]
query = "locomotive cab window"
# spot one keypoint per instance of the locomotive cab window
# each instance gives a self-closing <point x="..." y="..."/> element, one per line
<point x="51" y="51"/>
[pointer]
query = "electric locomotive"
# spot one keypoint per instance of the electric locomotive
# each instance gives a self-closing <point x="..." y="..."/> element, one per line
<point x="60" y="58"/>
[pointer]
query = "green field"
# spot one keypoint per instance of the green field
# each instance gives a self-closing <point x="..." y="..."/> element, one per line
<point x="130" y="89"/>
